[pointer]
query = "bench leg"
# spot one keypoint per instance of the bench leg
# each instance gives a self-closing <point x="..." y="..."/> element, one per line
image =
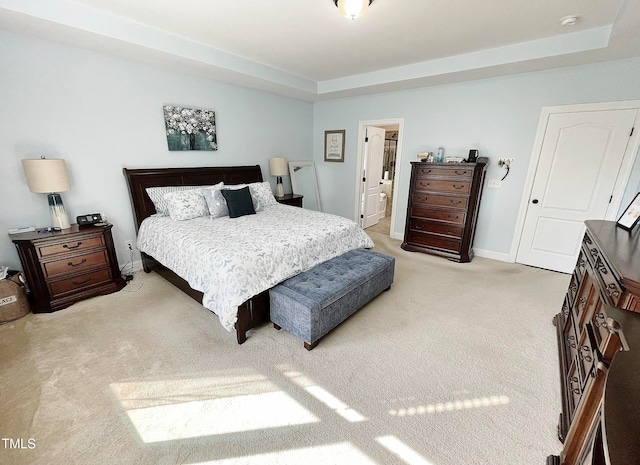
<point x="277" y="327"/>
<point x="311" y="346"/>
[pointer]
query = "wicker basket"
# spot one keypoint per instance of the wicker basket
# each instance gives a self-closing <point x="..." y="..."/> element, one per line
<point x="13" y="299"/>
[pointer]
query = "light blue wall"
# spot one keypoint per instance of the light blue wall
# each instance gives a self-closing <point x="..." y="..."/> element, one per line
<point x="101" y="114"/>
<point x="498" y="116"/>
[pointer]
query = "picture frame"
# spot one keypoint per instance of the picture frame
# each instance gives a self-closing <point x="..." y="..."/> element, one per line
<point x="334" y="145"/>
<point x="190" y="128"/>
<point x="631" y="214"/>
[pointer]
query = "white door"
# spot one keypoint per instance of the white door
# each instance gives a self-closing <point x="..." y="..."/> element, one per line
<point x="372" y="175"/>
<point x="580" y="157"/>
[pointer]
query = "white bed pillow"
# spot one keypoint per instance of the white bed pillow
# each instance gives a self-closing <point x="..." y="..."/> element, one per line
<point x="186" y="205"/>
<point x="156" y="194"/>
<point x="261" y="195"/>
<point x="215" y="201"/>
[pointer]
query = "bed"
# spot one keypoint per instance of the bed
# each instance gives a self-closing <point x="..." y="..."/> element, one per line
<point x="200" y="275"/>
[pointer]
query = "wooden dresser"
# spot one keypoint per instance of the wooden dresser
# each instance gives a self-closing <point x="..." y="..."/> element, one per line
<point x="598" y="333"/>
<point x="443" y="208"/>
<point x="63" y="267"/>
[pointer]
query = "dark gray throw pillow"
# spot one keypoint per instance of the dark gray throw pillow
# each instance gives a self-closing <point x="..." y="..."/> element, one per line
<point x="239" y="202"/>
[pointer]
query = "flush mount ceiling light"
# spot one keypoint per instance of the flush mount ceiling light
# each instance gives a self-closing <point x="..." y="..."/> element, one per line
<point x="352" y="9"/>
<point x="570" y="20"/>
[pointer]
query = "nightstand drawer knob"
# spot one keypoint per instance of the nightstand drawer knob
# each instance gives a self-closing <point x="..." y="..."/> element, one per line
<point x="82" y="262"/>
<point x="70" y="247"/>
<point x="79" y="283"/>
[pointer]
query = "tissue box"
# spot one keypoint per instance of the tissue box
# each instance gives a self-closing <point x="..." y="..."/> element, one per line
<point x="13" y="298"/>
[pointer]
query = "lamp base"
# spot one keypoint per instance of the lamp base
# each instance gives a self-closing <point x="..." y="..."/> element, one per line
<point x="279" y="190"/>
<point x="59" y="218"/>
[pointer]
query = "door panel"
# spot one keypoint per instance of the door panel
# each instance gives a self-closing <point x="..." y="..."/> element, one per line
<point x="373" y="158"/>
<point x="580" y="157"/>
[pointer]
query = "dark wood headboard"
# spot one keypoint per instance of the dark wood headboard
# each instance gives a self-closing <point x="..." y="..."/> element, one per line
<point x="139" y="179"/>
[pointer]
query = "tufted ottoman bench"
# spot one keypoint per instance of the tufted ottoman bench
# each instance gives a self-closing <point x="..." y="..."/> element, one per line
<point x="312" y="303"/>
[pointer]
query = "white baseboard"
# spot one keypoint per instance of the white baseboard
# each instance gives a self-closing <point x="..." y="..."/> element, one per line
<point x="501" y="257"/>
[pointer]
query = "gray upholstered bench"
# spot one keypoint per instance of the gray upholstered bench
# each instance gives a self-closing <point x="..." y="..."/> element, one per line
<point x="312" y="303"/>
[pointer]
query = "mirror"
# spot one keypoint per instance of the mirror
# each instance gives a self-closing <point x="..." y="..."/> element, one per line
<point x="304" y="182"/>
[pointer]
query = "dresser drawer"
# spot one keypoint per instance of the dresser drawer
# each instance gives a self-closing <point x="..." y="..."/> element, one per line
<point x="75" y="264"/>
<point x="71" y="246"/>
<point x="609" y="285"/>
<point x="442" y="185"/>
<point x="449" y="201"/>
<point x="436" y="228"/>
<point x="438" y="215"/>
<point x="82" y="281"/>
<point x="442" y="171"/>
<point x="435" y="241"/>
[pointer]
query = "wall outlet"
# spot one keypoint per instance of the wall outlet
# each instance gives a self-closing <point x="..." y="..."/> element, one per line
<point x="128" y="245"/>
<point x="494" y="183"/>
<point x="505" y="161"/>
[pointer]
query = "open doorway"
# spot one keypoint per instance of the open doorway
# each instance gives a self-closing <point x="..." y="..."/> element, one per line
<point x="377" y="173"/>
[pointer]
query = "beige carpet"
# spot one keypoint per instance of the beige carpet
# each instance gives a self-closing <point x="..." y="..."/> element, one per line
<point x="455" y="365"/>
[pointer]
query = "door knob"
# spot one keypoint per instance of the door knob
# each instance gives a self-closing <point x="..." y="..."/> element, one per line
<point x="534" y="201"/>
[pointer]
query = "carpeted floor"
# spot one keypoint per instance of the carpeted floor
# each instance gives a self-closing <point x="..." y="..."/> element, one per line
<point x="455" y="365"/>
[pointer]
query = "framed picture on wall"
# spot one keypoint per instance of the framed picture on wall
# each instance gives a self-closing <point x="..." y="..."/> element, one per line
<point x="631" y="214"/>
<point x="334" y="145"/>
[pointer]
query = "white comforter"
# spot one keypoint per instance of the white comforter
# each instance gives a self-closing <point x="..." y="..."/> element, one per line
<point x="231" y="260"/>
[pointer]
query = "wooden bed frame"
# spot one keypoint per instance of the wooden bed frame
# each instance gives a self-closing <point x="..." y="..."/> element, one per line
<point x="255" y="310"/>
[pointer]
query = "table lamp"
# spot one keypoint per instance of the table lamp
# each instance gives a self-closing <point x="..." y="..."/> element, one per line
<point x="278" y="167"/>
<point x="49" y="176"/>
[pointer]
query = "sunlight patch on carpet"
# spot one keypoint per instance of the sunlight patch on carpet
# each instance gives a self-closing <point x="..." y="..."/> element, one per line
<point x="342" y="453"/>
<point x="450" y="406"/>
<point x="323" y="395"/>
<point x="183" y="408"/>
<point x="403" y="451"/>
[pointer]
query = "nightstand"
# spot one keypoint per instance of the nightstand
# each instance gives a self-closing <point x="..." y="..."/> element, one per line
<point x="295" y="200"/>
<point x="63" y="267"/>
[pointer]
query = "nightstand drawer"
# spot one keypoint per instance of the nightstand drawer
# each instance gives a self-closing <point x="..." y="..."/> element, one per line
<point x="459" y="187"/>
<point x="76" y="283"/>
<point x="75" y="264"/>
<point x="439" y="215"/>
<point x="71" y="246"/>
<point x="449" y="201"/>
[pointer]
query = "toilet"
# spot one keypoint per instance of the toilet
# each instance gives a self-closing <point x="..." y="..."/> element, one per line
<point x="382" y="207"/>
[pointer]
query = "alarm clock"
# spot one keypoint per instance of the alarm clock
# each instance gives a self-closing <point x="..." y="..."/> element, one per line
<point x="88" y="220"/>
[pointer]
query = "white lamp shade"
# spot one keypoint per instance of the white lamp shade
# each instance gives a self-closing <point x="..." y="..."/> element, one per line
<point x="352" y="9"/>
<point x="278" y="166"/>
<point x="46" y="175"/>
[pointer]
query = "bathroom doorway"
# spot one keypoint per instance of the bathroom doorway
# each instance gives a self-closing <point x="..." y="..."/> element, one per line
<point x="387" y="177"/>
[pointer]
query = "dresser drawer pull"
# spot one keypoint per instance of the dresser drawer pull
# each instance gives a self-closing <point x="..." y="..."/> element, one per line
<point x="70" y="247"/>
<point x="612" y="290"/>
<point x="456" y="202"/>
<point x="82" y="262"/>
<point x="460" y="173"/>
<point x="425" y="171"/>
<point x="422" y="183"/>
<point x="458" y="187"/>
<point x="78" y="283"/>
<point x="453" y="217"/>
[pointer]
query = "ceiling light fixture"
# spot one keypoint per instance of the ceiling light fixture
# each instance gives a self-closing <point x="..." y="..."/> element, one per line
<point x="570" y="20"/>
<point x="352" y="9"/>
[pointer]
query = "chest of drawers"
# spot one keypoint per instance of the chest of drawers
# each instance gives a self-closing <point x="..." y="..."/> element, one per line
<point x="598" y="331"/>
<point x="443" y="208"/>
<point x="63" y="267"/>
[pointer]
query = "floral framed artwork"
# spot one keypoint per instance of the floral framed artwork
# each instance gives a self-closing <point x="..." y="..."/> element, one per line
<point x="190" y="128"/>
<point x="631" y="214"/>
<point x="334" y="145"/>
